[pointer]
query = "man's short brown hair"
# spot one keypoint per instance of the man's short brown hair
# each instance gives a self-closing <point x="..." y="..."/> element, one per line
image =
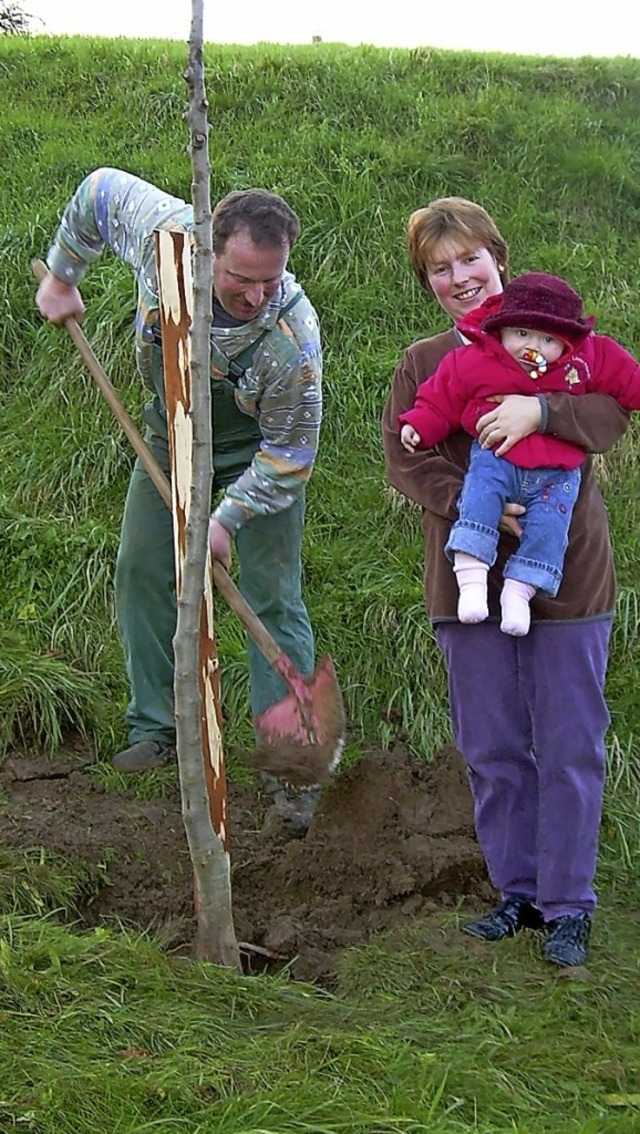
<point x="267" y="218"/>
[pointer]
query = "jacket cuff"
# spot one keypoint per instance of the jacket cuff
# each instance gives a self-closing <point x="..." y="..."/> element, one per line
<point x="231" y="515"/>
<point x="65" y="267"/>
<point x="544" y="411"/>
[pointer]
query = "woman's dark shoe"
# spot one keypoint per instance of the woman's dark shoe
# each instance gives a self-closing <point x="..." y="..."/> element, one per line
<point x="568" y="939"/>
<point x="144" y="755"/>
<point x="505" y="920"/>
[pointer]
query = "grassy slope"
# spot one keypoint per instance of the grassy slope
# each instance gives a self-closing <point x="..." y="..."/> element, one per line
<point x="355" y="139"/>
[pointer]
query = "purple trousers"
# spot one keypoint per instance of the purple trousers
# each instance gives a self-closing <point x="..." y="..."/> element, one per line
<point x="530" y="718"/>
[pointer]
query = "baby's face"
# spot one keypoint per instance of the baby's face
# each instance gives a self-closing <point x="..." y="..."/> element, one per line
<point x="532" y="349"/>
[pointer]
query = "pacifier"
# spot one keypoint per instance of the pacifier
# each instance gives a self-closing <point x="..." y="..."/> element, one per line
<point x="535" y="360"/>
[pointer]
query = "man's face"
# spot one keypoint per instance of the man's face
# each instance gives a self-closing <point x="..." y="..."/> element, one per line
<point x="246" y="275"/>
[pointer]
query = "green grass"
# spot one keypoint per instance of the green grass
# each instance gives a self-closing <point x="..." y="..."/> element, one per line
<point x="434" y="1033"/>
<point x="101" y="1033"/>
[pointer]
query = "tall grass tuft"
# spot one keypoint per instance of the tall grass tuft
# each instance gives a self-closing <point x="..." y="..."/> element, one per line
<point x="43" y="698"/>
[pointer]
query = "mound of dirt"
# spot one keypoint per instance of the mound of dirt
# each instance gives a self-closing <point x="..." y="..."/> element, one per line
<point x="390" y="841"/>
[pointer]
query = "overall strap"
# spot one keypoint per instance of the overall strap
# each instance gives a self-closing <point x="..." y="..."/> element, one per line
<point x="241" y="363"/>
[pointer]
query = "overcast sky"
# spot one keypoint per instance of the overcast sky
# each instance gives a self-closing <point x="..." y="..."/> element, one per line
<point x="548" y="27"/>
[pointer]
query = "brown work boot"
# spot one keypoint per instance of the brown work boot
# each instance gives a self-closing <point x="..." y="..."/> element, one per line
<point x="291" y="807"/>
<point x="145" y="755"/>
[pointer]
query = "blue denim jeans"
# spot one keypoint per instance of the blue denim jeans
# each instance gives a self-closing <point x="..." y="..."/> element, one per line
<point x="549" y="496"/>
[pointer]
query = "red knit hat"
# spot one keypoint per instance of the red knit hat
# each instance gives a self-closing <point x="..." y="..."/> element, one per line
<point x="541" y="303"/>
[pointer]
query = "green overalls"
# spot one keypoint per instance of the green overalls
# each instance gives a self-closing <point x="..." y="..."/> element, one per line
<point x="269" y="556"/>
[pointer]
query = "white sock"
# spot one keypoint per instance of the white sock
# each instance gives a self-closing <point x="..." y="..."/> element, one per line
<point x="516" y="613"/>
<point x="471" y="577"/>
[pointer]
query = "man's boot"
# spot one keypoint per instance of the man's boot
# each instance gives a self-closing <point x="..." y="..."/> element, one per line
<point x="144" y="755"/>
<point x="293" y="805"/>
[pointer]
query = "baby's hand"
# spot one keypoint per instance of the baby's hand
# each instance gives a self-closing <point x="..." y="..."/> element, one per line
<point x="410" y="439"/>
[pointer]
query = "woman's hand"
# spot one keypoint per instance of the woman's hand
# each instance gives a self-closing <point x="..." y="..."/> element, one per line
<point x="515" y="416"/>
<point x="509" y="522"/>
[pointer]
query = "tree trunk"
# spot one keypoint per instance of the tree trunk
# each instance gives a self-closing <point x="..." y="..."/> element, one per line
<point x="186" y="325"/>
<point x="197" y="675"/>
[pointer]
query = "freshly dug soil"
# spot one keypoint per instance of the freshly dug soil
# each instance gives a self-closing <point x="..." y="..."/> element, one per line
<point x="391" y="840"/>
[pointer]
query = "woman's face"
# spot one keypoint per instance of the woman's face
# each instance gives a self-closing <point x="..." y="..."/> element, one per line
<point x="462" y="278"/>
